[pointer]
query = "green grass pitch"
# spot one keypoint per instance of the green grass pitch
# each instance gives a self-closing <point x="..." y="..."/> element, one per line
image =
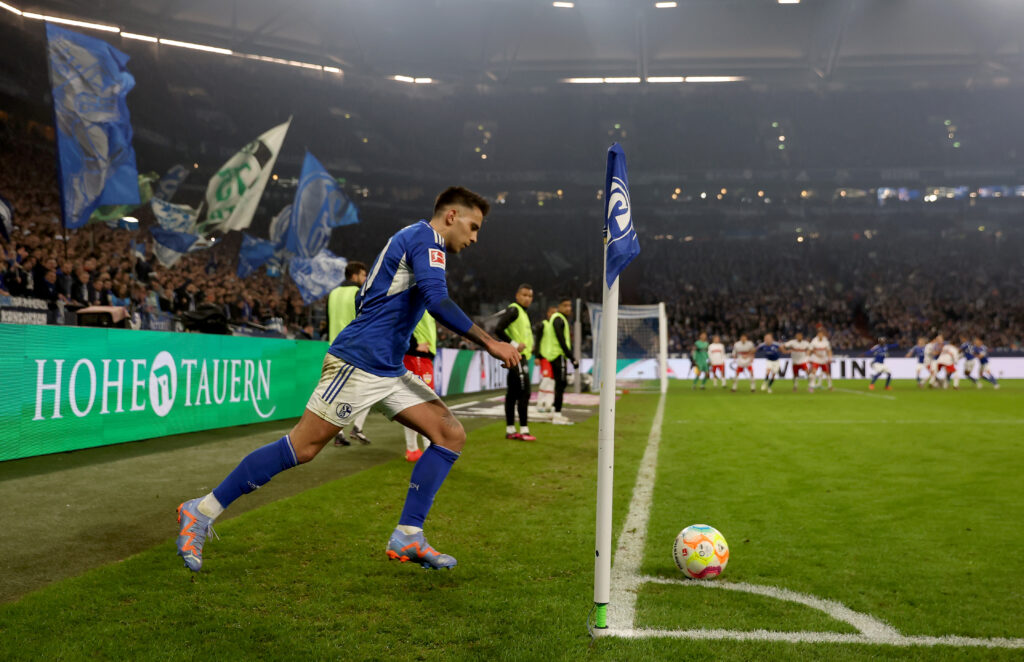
<point x="905" y="505"/>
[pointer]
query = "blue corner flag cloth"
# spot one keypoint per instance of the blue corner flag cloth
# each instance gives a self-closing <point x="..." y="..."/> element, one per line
<point x="619" y="234"/>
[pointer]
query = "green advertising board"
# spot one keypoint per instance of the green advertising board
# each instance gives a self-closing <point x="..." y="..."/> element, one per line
<point x="65" y="388"/>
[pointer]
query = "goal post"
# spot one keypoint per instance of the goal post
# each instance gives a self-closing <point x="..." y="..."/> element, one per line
<point x="642" y="335"/>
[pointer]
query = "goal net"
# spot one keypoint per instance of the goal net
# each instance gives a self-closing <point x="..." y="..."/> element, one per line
<point x="642" y="335"/>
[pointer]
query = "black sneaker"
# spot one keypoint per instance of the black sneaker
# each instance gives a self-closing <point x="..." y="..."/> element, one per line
<point x="340" y="440"/>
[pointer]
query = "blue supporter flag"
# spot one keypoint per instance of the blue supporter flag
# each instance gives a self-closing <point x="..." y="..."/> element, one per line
<point x="178" y="242"/>
<point x="138" y="249"/>
<point x="180" y="218"/>
<point x="95" y="160"/>
<point x="253" y="254"/>
<point x="620" y="237"/>
<point x="170" y="182"/>
<point x="319" y="205"/>
<point x="6" y="218"/>
<point x="317" y="276"/>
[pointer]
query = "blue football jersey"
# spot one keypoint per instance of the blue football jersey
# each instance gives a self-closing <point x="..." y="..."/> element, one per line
<point x="407" y="276"/>
<point x="918" y="352"/>
<point x="878" y="353"/>
<point x="968" y="351"/>
<point x="981" y="351"/>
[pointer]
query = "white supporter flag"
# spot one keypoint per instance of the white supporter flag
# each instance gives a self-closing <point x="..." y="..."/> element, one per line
<point x="234" y="192"/>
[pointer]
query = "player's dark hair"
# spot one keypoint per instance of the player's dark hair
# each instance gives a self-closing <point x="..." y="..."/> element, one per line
<point x="564" y="299"/>
<point x="353" y="268"/>
<point x="524" y="286"/>
<point x="460" y="195"/>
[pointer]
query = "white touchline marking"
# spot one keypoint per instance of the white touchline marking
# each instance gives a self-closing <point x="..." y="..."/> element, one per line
<point x="864" y="421"/>
<point x="626" y="582"/>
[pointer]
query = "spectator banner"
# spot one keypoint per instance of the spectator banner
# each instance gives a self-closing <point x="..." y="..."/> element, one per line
<point x="234" y="192"/>
<point x="253" y="253"/>
<point x="95" y="159"/>
<point x="170" y="182"/>
<point x="319" y="205"/>
<point x="70" y="388"/>
<point x="317" y="276"/>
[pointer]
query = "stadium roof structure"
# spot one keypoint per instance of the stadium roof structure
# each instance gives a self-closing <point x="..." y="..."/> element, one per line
<point x="533" y="44"/>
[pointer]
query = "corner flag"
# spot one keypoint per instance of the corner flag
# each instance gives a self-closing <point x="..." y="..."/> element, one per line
<point x="619" y="235"/>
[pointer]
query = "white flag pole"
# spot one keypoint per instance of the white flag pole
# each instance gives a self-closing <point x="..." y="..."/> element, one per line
<point x="608" y="356"/>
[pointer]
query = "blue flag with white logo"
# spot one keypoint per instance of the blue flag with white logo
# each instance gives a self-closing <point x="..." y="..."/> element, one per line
<point x="178" y="242"/>
<point x="170" y="182"/>
<point x="619" y="235"/>
<point x="253" y="254"/>
<point x="317" y="276"/>
<point x="319" y="205"/>
<point x="95" y="160"/>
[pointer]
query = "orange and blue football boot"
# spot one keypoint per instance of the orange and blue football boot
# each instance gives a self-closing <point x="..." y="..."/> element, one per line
<point x="415" y="548"/>
<point x="195" y="527"/>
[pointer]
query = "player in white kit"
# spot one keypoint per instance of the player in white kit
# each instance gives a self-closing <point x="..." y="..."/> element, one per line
<point x="716" y="357"/>
<point x="945" y="366"/>
<point x="821" y="360"/>
<point x="743" y="353"/>
<point x="798" y="349"/>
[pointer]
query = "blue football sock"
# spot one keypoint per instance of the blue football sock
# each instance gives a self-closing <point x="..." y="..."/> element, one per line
<point x="427" y="476"/>
<point x="256" y="469"/>
<point x="888" y="380"/>
<point x="874" y="378"/>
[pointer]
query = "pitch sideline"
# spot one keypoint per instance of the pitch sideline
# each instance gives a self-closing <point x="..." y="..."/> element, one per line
<point x="626" y="582"/>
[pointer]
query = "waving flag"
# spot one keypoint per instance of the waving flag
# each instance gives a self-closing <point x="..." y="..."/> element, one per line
<point x="180" y="218"/>
<point x="6" y="218"/>
<point x="234" y="192"/>
<point x="253" y="254"/>
<point x="317" y="276"/>
<point x="170" y="182"/>
<point x="319" y="205"/>
<point x="619" y="234"/>
<point x="110" y="213"/>
<point x="171" y="245"/>
<point x="95" y="159"/>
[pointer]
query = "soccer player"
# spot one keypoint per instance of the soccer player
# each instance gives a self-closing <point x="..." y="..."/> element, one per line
<point x="821" y="360"/>
<point x="798" y="348"/>
<point x="716" y="356"/>
<point x="918" y="351"/>
<point x="556" y="347"/>
<point x="772" y="351"/>
<point x="945" y="365"/>
<point x="699" y="356"/>
<point x="514" y="327"/>
<point x="419" y="360"/>
<point x="878" y="353"/>
<point x="981" y="351"/>
<point x="967" y="351"/>
<point x="743" y="352"/>
<point x="931" y="353"/>
<point x="341" y="309"/>
<point x="363" y="368"/>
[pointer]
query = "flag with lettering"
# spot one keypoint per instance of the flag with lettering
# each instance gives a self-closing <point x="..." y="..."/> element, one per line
<point x="233" y="194"/>
<point x="621" y="243"/>
<point x="89" y="80"/>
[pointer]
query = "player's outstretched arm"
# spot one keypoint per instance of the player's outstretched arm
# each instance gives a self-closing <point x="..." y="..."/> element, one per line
<point x="503" y="351"/>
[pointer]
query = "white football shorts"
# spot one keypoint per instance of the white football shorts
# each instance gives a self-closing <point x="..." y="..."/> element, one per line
<point x="345" y="391"/>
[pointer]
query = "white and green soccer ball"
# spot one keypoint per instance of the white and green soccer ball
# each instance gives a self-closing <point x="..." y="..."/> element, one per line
<point x="700" y="551"/>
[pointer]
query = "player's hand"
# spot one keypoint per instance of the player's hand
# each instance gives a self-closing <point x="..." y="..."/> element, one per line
<point x="506" y="353"/>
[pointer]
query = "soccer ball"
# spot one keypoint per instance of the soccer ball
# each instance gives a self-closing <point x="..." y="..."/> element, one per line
<point x="700" y="551"/>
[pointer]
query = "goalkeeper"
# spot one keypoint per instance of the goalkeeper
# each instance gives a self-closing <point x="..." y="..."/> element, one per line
<point x="699" y="356"/>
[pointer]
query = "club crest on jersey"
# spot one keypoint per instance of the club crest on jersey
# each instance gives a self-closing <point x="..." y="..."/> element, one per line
<point x="343" y="410"/>
<point x="436" y="258"/>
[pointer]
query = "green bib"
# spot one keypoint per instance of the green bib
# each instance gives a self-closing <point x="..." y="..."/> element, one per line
<point x="520" y="331"/>
<point x="341" y="309"/>
<point x="426" y="331"/>
<point x="549" y="347"/>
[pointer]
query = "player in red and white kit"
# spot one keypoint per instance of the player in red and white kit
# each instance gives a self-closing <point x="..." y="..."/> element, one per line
<point x="743" y="353"/>
<point x="798" y="349"/>
<point x="716" y="357"/>
<point x="931" y="356"/>
<point x="945" y="365"/>
<point x="821" y="360"/>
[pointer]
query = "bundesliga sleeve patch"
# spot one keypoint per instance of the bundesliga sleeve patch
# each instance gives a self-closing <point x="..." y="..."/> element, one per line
<point x="436" y="258"/>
